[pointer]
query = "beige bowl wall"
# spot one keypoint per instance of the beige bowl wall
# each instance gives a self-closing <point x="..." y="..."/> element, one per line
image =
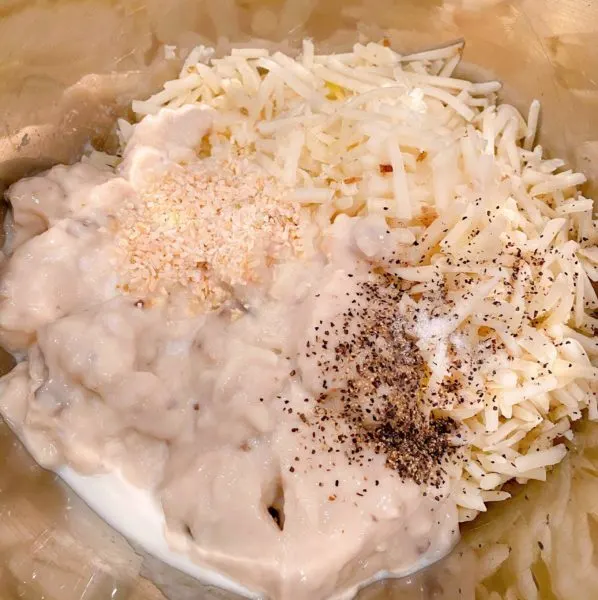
<point x="69" y="68"/>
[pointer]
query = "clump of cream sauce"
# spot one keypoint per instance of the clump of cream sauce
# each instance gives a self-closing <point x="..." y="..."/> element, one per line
<point x="216" y="413"/>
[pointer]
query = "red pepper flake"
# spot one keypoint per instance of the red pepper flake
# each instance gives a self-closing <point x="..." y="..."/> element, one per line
<point x="422" y="156"/>
<point x="385" y="168"/>
<point x="386" y="42"/>
<point x="332" y="497"/>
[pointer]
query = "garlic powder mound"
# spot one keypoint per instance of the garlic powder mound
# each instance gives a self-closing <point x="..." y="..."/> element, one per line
<point x="205" y="227"/>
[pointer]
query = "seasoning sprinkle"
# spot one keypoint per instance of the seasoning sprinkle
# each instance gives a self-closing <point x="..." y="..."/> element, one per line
<point x="205" y="227"/>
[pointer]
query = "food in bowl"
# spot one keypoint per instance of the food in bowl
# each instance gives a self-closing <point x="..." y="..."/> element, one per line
<point x="323" y="307"/>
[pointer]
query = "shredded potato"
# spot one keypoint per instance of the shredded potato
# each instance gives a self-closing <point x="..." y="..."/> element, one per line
<point x="541" y="544"/>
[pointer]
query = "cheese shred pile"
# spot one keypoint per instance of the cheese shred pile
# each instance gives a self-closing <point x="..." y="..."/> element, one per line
<point x="496" y="240"/>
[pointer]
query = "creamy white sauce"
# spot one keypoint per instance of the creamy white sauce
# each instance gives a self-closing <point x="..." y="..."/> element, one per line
<point x="137" y="514"/>
<point x="144" y="524"/>
<point x="210" y="415"/>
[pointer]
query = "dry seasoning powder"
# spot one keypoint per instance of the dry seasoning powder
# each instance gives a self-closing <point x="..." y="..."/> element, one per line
<point x="206" y="227"/>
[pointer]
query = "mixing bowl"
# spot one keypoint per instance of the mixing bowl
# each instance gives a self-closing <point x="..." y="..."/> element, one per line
<point x="69" y="68"/>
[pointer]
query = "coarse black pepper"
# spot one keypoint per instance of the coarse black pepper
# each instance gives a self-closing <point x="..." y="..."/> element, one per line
<point x="381" y="397"/>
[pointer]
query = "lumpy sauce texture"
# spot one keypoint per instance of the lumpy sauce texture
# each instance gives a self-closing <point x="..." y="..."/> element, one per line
<point x="231" y="417"/>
